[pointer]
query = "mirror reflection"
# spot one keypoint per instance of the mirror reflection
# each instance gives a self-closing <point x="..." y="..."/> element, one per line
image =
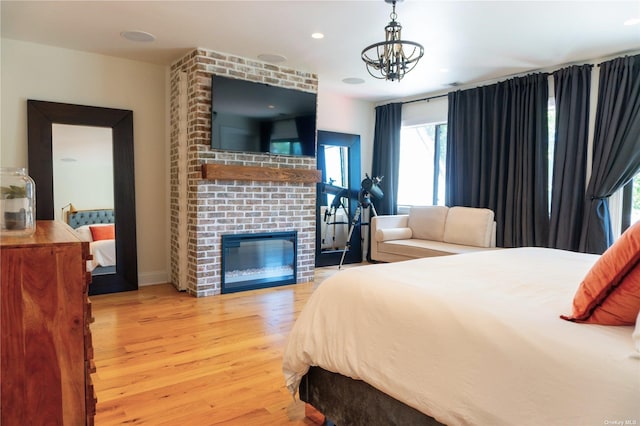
<point x="83" y="189"/>
<point x="338" y="157"/>
<point x="335" y="200"/>
<point x="82" y="167"/>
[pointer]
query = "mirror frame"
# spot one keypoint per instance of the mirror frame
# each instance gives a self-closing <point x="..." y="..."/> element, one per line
<point x="354" y="255"/>
<point x="41" y="115"/>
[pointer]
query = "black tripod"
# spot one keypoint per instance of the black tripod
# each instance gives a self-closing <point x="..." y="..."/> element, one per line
<point x="364" y="201"/>
<point x="331" y="216"/>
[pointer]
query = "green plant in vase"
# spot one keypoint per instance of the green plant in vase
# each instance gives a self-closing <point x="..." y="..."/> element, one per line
<point x="15" y="204"/>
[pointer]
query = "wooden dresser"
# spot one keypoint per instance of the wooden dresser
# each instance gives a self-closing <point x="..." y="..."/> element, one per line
<point x="46" y="350"/>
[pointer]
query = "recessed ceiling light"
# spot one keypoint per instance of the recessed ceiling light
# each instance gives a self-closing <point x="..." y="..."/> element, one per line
<point x="632" y="21"/>
<point x="444" y="69"/>
<point x="352" y="80"/>
<point x="271" y="57"/>
<point x="139" y="36"/>
<point x="317" y="36"/>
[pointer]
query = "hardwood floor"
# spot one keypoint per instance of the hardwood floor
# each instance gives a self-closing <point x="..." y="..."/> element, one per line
<point x="167" y="358"/>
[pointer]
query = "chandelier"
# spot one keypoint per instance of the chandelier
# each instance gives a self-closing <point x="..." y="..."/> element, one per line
<point x="392" y="58"/>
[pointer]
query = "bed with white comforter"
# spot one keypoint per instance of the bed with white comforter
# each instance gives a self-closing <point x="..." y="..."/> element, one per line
<point x="103" y="252"/>
<point x="473" y="339"/>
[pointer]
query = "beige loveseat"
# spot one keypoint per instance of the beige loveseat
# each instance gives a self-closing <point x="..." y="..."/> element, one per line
<point x="431" y="231"/>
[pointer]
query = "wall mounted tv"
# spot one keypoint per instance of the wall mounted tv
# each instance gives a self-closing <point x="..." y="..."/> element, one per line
<point x="256" y="117"/>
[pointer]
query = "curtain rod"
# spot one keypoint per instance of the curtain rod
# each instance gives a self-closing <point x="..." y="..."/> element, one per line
<point x="425" y="99"/>
<point x="629" y="53"/>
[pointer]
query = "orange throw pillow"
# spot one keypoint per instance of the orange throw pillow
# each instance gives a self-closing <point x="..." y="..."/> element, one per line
<point x="107" y="232"/>
<point x="610" y="292"/>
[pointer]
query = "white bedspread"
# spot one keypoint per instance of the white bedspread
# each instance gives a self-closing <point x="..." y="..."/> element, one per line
<point x="104" y="254"/>
<point x="472" y="339"/>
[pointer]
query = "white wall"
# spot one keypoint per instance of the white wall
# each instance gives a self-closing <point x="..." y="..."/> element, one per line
<point x="423" y="112"/>
<point x="337" y="113"/>
<point x="82" y="168"/>
<point x="35" y="71"/>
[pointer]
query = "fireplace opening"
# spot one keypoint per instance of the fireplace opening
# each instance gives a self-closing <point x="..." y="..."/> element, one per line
<point x="252" y="261"/>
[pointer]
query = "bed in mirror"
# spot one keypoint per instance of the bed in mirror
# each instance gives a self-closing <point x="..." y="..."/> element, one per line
<point x="81" y="159"/>
<point x="339" y="160"/>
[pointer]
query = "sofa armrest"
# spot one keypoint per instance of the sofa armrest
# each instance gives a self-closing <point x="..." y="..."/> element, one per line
<point x="387" y="234"/>
<point x="389" y="221"/>
<point x="384" y="222"/>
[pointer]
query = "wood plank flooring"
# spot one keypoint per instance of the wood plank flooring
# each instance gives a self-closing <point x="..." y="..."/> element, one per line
<point x="167" y="358"/>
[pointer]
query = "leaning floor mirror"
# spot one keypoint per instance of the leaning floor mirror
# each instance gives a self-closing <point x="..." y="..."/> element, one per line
<point x="81" y="159"/>
<point x="339" y="160"/>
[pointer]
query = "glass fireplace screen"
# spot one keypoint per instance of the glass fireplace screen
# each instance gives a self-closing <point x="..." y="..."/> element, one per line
<point x="252" y="261"/>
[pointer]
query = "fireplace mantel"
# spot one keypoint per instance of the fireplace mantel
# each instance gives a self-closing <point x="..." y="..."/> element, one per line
<point x="263" y="174"/>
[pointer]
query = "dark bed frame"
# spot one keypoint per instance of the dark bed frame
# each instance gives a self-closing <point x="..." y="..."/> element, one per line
<point x="345" y="401"/>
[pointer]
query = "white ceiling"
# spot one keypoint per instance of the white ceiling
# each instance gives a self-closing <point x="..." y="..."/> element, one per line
<point x="475" y="41"/>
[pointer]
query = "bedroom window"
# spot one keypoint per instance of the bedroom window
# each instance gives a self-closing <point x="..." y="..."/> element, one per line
<point x="421" y="180"/>
<point x="631" y="203"/>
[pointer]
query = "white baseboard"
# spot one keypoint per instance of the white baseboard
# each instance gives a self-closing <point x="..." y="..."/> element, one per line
<point x="153" y="277"/>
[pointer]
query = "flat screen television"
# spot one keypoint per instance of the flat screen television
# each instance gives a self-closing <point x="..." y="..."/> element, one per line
<point x="248" y="116"/>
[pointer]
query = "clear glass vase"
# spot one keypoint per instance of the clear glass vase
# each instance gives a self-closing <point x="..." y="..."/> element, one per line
<point x="17" y="202"/>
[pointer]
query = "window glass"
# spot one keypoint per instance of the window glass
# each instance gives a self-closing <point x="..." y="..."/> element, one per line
<point x="635" y="199"/>
<point x="336" y="161"/>
<point x="551" y="121"/>
<point x="421" y="179"/>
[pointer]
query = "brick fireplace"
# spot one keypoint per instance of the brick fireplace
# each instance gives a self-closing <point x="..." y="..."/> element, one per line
<point x="205" y="206"/>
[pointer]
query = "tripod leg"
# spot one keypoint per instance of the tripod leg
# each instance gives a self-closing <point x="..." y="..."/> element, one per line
<point x="325" y="224"/>
<point x="335" y="220"/>
<point x="372" y="213"/>
<point x="347" y="221"/>
<point x="356" y="216"/>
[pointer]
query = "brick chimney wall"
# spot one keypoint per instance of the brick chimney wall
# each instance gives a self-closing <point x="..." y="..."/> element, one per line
<point x="203" y="210"/>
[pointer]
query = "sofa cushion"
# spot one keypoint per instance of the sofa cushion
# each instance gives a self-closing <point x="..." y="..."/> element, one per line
<point x="469" y="226"/>
<point x="415" y="249"/>
<point x="428" y="222"/>
<point x="393" y="234"/>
